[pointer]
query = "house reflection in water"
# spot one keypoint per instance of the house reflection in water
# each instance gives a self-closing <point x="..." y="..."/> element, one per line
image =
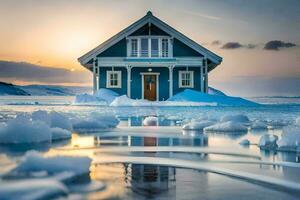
<point x="153" y="179"/>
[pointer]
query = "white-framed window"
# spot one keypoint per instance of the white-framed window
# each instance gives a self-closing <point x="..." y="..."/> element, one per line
<point x="186" y="79"/>
<point x="113" y="79"/>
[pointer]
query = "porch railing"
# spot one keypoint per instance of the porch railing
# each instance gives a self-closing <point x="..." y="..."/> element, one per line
<point x="149" y="54"/>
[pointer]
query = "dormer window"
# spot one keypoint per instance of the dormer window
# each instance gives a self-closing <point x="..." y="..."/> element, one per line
<point x="149" y="46"/>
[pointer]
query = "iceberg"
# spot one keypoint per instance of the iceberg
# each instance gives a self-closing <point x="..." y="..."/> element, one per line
<point x="290" y="139"/>
<point x="229" y="126"/>
<point x="197" y="125"/>
<point x="60" y="134"/>
<point x="23" y="130"/>
<point x="220" y="100"/>
<point x="86" y="99"/>
<point x="268" y="142"/>
<point x="298" y="121"/>
<point x="258" y="125"/>
<point x="150" y="121"/>
<point x="235" y="118"/>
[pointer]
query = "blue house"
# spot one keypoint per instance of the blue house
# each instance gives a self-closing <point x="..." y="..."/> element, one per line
<point x="150" y="60"/>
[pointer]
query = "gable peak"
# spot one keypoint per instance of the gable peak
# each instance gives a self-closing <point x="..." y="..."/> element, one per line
<point x="149" y="13"/>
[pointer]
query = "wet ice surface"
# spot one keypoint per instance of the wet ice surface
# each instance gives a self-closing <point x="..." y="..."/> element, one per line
<point x="188" y="162"/>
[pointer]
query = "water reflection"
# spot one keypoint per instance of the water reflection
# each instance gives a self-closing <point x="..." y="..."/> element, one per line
<point x="149" y="180"/>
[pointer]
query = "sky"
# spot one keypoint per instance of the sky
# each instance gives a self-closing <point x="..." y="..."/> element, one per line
<point x="259" y="40"/>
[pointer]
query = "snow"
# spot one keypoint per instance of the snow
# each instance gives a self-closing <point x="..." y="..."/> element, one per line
<point x="244" y="142"/>
<point x="221" y="100"/>
<point x="107" y="95"/>
<point x="95" y="121"/>
<point x="34" y="162"/>
<point x="32" y="189"/>
<point x="60" y="134"/>
<point x="298" y="121"/>
<point x="150" y="121"/>
<point x="229" y="126"/>
<point x="197" y="125"/>
<point x="239" y="118"/>
<point x="290" y="139"/>
<point x="214" y="91"/>
<point x="125" y="101"/>
<point x="268" y="142"/>
<point x="23" y="130"/>
<point x="259" y="125"/>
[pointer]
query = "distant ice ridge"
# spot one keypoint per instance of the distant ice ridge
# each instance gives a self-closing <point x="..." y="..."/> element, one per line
<point x="42" y="126"/>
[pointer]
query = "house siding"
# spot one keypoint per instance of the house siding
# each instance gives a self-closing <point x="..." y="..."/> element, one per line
<point x="182" y="50"/>
<point x="117" y="50"/>
<point x="103" y="78"/>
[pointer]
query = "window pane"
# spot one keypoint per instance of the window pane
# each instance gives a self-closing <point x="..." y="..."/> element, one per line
<point x="164" y="47"/>
<point x="115" y="82"/>
<point x="134" y="46"/>
<point x="144" y="47"/>
<point x="111" y="82"/>
<point x="154" y="47"/>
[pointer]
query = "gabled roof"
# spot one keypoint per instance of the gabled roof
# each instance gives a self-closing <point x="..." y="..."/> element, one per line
<point x="149" y="18"/>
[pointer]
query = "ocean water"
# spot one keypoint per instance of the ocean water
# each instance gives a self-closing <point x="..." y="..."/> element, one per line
<point x="184" y="165"/>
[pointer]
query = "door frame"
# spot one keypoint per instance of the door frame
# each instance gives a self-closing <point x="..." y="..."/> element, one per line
<point x="157" y="83"/>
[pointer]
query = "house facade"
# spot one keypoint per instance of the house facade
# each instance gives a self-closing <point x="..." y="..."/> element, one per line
<point x="150" y="60"/>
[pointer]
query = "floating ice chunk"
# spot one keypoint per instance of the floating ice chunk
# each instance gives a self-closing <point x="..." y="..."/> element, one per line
<point x="150" y="121"/>
<point x="23" y="130"/>
<point x="32" y="189"/>
<point x="290" y="139"/>
<point x="197" y="125"/>
<point x="107" y="95"/>
<point x="235" y="118"/>
<point x="244" y="142"/>
<point x="268" y="141"/>
<point x="298" y="121"/>
<point x="229" y="126"/>
<point x="60" y="121"/>
<point x="258" y="125"/>
<point x="34" y="162"/>
<point x="41" y="115"/>
<point x="277" y="124"/>
<point x="60" y="134"/>
<point x="95" y="121"/>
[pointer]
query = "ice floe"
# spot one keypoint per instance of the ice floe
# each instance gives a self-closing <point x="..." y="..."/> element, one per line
<point x="268" y="142"/>
<point x="33" y="162"/>
<point x="297" y="121"/>
<point x="229" y="126"/>
<point x="95" y="121"/>
<point x="197" y="124"/>
<point x="23" y="130"/>
<point x="60" y="134"/>
<point x="259" y="125"/>
<point x="150" y="121"/>
<point x="239" y="118"/>
<point x="290" y="139"/>
<point x="32" y="189"/>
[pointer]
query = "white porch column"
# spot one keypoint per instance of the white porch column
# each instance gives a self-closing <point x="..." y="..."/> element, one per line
<point x="171" y="80"/>
<point x="94" y="77"/>
<point x="201" y="79"/>
<point x="129" y="81"/>
<point x="98" y="78"/>
<point x="206" y="77"/>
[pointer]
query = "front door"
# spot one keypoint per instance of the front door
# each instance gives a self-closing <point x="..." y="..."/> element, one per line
<point x="150" y="87"/>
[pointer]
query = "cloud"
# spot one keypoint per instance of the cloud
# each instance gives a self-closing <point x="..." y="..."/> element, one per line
<point x="237" y="45"/>
<point x="277" y="45"/>
<point x="202" y="15"/>
<point x="232" y="45"/>
<point x="216" y="42"/>
<point x="26" y="72"/>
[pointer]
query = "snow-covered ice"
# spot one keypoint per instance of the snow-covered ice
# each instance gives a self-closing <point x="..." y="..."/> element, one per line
<point x="34" y="162"/>
<point x="106" y="95"/>
<point x="150" y="121"/>
<point x="229" y="126"/>
<point x="197" y="124"/>
<point x="297" y="121"/>
<point x="60" y="134"/>
<point x="290" y="139"/>
<point x="95" y="121"/>
<point x="23" y="130"/>
<point x="268" y="142"/>
<point x="32" y="189"/>
<point x="239" y="118"/>
<point x="259" y="125"/>
<point x="87" y="99"/>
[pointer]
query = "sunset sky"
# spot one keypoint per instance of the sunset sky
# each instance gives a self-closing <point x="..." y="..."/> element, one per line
<point x="55" y="33"/>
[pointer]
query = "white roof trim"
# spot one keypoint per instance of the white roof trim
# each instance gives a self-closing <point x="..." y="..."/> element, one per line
<point x="149" y="18"/>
